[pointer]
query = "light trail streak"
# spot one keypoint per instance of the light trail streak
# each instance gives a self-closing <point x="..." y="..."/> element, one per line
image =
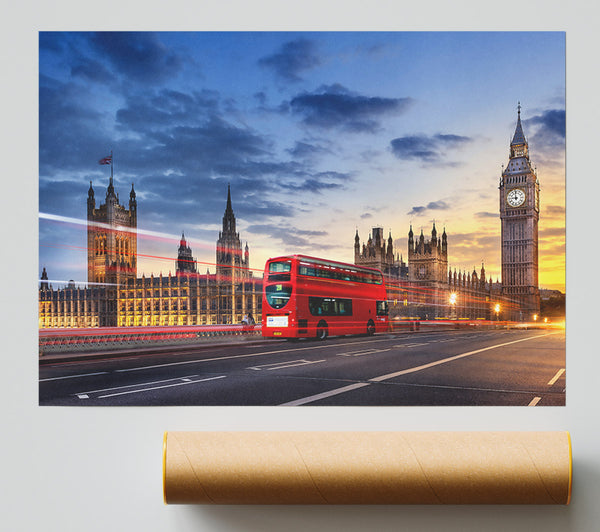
<point x="148" y="234"/>
<point x="108" y="227"/>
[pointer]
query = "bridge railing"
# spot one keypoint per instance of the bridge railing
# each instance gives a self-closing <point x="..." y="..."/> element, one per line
<point x="86" y="339"/>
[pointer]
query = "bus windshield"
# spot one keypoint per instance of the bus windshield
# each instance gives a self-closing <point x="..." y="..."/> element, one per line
<point x="278" y="295"/>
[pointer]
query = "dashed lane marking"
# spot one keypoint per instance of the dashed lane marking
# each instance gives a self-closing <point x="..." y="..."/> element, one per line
<point x="73" y="376"/>
<point x="404" y="346"/>
<point x="283" y="365"/>
<point x="534" y="401"/>
<point x="556" y="377"/>
<point x="362" y="353"/>
<point x="325" y="395"/>
<point x="134" y="385"/>
<point x="162" y="387"/>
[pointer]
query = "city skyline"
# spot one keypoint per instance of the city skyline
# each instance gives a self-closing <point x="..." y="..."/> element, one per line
<point x="316" y="132"/>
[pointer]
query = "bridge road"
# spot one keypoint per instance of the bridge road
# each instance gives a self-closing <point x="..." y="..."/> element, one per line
<point x="464" y="367"/>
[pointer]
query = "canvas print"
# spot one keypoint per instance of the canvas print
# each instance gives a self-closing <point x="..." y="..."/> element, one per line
<point x="313" y="218"/>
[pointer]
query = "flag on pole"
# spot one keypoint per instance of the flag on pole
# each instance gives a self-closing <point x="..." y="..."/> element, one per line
<point x="106" y="160"/>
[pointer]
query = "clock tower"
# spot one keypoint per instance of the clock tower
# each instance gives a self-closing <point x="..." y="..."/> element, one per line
<point x="519" y="216"/>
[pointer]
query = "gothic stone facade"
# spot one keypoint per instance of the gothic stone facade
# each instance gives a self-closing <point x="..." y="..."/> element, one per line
<point x="115" y="296"/>
<point x="426" y="288"/>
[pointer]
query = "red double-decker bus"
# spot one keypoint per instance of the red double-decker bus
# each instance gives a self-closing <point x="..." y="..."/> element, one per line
<point x="307" y="297"/>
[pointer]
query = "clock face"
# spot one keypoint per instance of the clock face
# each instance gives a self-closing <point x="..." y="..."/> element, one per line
<point x="515" y="197"/>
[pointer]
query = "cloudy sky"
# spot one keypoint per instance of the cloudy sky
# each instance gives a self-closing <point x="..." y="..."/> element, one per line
<point x="319" y="135"/>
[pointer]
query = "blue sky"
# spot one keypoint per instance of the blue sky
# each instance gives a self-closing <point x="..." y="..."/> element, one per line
<point x="319" y="134"/>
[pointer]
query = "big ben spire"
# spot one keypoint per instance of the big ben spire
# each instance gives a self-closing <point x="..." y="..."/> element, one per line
<point x="518" y="145"/>
<point x="519" y="215"/>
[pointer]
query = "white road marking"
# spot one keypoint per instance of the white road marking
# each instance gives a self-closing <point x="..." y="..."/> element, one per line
<point x="381" y="378"/>
<point x="161" y="387"/>
<point x="324" y="395"/>
<point x="73" y="376"/>
<point x="416" y="345"/>
<point x="287" y="364"/>
<point x="361" y="353"/>
<point x="134" y="385"/>
<point x="556" y="377"/>
<point x="534" y="401"/>
<point x="83" y="396"/>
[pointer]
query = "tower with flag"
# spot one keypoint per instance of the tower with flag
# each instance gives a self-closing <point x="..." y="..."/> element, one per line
<point x="111" y="241"/>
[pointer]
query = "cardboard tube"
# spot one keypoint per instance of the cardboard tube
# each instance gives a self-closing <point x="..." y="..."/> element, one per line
<point x="367" y="467"/>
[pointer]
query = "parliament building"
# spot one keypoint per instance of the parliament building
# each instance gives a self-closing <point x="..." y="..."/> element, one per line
<point x="116" y="296"/>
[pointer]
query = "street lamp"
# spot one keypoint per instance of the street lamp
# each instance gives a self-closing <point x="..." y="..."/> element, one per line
<point x="452" y="301"/>
<point x="497" y="310"/>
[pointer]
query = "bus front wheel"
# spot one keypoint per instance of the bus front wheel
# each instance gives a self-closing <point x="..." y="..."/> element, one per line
<point x="322" y="330"/>
<point x="370" y="328"/>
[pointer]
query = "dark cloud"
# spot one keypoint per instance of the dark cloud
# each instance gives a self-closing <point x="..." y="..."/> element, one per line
<point x="261" y="98"/>
<point x="290" y="236"/>
<point x="417" y="211"/>
<point x="438" y="205"/>
<point x="547" y="137"/>
<point x="336" y="107"/>
<point x="366" y="215"/>
<point x="313" y="185"/>
<point x="56" y="197"/>
<point x="138" y="56"/>
<point x="428" y="149"/>
<point x="304" y="150"/>
<point x="431" y="206"/>
<point x="92" y="70"/>
<point x="51" y="41"/>
<point x="484" y="214"/>
<point x="292" y="59"/>
<point x="72" y="135"/>
<point x="167" y="108"/>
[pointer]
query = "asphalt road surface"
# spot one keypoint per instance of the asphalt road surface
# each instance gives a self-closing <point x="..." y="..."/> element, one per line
<point x="464" y="367"/>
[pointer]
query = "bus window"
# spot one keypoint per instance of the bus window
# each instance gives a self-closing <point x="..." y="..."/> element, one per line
<point x="307" y="270"/>
<point x="329" y="306"/>
<point x="382" y="308"/>
<point x="280" y="267"/>
<point x="278" y="295"/>
<point x="280" y="271"/>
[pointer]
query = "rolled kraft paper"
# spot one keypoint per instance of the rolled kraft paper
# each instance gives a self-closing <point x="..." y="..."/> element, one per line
<point x="367" y="467"/>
